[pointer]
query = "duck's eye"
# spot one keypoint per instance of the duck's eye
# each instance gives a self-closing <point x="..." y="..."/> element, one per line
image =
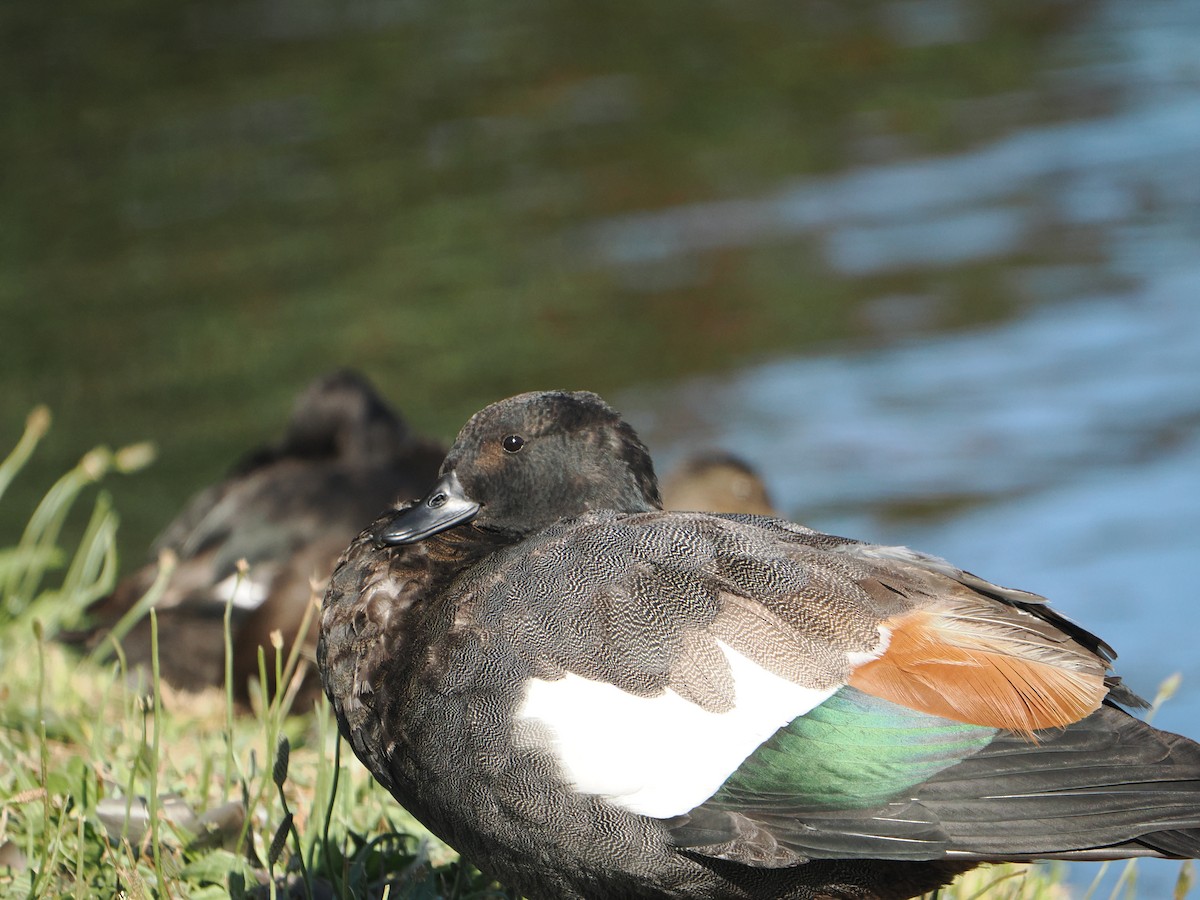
<point x="513" y="443"/>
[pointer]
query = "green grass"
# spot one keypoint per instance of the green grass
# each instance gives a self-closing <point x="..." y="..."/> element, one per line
<point x="115" y="785"/>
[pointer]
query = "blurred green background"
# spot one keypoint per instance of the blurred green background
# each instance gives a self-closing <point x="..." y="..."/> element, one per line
<point x="208" y="203"/>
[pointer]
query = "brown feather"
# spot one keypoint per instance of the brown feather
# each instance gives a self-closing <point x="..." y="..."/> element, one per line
<point x="701" y="673"/>
<point x="985" y="667"/>
<point x="759" y="634"/>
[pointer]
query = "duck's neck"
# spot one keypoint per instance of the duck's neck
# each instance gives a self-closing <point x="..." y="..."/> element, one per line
<point x="465" y="544"/>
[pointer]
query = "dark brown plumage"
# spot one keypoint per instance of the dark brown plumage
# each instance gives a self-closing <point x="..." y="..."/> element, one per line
<point x="590" y="697"/>
<point x="288" y="509"/>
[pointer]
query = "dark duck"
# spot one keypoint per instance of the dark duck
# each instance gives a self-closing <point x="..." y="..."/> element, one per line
<point x="288" y="509"/>
<point x="590" y="697"/>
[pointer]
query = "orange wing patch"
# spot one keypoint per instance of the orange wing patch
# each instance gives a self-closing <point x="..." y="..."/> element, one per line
<point x="976" y="663"/>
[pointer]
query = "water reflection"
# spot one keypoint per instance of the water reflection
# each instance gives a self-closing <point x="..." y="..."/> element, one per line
<point x="990" y="203"/>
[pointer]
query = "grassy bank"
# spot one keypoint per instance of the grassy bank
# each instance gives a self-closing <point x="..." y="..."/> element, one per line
<point x="113" y="784"/>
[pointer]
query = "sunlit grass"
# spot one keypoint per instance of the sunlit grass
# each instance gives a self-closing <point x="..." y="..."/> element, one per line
<point x="115" y="784"/>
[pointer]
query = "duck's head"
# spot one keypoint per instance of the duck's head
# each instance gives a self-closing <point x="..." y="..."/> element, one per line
<point x="341" y="416"/>
<point x="525" y="462"/>
<point x="717" y="482"/>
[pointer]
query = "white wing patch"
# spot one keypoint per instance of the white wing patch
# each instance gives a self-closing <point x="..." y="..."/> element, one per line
<point x="661" y="756"/>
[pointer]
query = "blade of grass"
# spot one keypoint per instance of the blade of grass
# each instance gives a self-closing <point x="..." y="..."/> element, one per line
<point x="1183" y="883"/>
<point x="1007" y="876"/>
<point x="155" y="760"/>
<point x="37" y="423"/>
<point x="227" y="640"/>
<point x="1166" y="690"/>
<point x="43" y="752"/>
<point x="1095" y="885"/>
<point x="45" y="525"/>
<point x="279" y="776"/>
<point x="1127" y="880"/>
<point x="91" y="574"/>
<point x="167" y="561"/>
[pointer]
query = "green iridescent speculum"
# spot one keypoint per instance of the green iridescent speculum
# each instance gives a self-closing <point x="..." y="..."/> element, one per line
<point x="853" y="751"/>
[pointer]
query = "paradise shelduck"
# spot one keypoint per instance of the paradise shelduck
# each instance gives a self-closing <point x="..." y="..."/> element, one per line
<point x="590" y="697"/>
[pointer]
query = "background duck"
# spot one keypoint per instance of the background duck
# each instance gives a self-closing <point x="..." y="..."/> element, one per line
<point x="719" y="482"/>
<point x="590" y="697"/>
<point x="287" y="509"/>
